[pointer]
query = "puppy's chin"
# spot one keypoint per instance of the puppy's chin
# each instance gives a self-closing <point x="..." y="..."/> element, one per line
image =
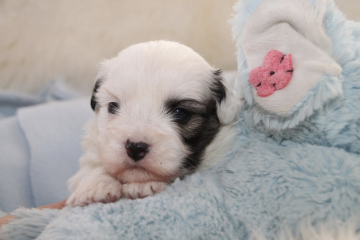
<point x="136" y="173"/>
<point x="159" y="165"/>
<point x="140" y="175"/>
<point x="152" y="168"/>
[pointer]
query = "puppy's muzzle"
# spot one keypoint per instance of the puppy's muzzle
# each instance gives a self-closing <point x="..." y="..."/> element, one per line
<point x="136" y="151"/>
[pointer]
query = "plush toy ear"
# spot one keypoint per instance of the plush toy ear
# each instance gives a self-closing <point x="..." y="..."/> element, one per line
<point x="289" y="71"/>
<point x="228" y="104"/>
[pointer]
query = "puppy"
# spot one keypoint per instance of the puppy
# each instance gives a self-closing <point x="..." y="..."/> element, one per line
<point x="161" y="112"/>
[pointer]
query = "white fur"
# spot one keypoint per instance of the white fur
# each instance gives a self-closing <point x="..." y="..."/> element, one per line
<point x="141" y="79"/>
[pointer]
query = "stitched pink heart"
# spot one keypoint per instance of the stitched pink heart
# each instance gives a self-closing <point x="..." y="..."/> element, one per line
<point x="275" y="73"/>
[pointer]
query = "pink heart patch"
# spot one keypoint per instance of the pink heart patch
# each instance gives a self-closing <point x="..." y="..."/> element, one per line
<point x="275" y="73"/>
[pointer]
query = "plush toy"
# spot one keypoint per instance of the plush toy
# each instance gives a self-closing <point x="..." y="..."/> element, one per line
<point x="295" y="167"/>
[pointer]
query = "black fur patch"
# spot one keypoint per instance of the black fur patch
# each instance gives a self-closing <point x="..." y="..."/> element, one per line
<point x="94" y="101"/>
<point x="199" y="131"/>
<point x="218" y="88"/>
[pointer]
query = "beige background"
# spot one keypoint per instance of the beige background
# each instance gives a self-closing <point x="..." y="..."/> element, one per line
<point x="42" y="39"/>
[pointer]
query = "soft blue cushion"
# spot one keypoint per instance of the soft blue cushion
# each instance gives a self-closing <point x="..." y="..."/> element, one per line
<point x="40" y="139"/>
<point x="15" y="185"/>
<point x="53" y="133"/>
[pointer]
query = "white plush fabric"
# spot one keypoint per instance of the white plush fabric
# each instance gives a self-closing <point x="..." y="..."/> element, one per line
<point x="298" y="31"/>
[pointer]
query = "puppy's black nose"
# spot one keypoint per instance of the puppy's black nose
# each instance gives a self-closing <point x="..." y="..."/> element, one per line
<point x="136" y="151"/>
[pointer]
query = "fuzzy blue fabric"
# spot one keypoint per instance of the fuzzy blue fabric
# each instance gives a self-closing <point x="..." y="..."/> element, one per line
<point x="273" y="178"/>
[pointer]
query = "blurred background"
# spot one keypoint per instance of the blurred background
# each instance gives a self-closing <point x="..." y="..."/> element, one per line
<point x="42" y="39"/>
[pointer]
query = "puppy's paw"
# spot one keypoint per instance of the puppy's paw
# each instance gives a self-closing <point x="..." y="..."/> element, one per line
<point x="105" y="191"/>
<point x="142" y="190"/>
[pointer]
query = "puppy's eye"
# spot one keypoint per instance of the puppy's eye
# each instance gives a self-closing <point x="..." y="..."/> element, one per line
<point x="180" y="115"/>
<point x="113" y="108"/>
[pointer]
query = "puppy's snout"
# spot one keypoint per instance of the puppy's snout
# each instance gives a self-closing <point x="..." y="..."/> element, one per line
<point x="136" y="151"/>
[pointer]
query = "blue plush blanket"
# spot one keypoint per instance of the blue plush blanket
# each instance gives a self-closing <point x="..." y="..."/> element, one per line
<point x="279" y="187"/>
<point x="284" y="169"/>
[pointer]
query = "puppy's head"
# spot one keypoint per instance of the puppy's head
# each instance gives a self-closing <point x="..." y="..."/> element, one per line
<point x="158" y="105"/>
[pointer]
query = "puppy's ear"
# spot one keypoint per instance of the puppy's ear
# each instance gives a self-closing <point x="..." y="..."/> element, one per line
<point x="228" y="104"/>
<point x="94" y="102"/>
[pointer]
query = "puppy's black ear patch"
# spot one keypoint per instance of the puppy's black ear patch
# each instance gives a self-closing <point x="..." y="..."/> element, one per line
<point x="94" y="101"/>
<point x="217" y="87"/>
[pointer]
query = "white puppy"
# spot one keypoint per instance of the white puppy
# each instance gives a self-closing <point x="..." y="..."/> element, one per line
<point x="161" y="112"/>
